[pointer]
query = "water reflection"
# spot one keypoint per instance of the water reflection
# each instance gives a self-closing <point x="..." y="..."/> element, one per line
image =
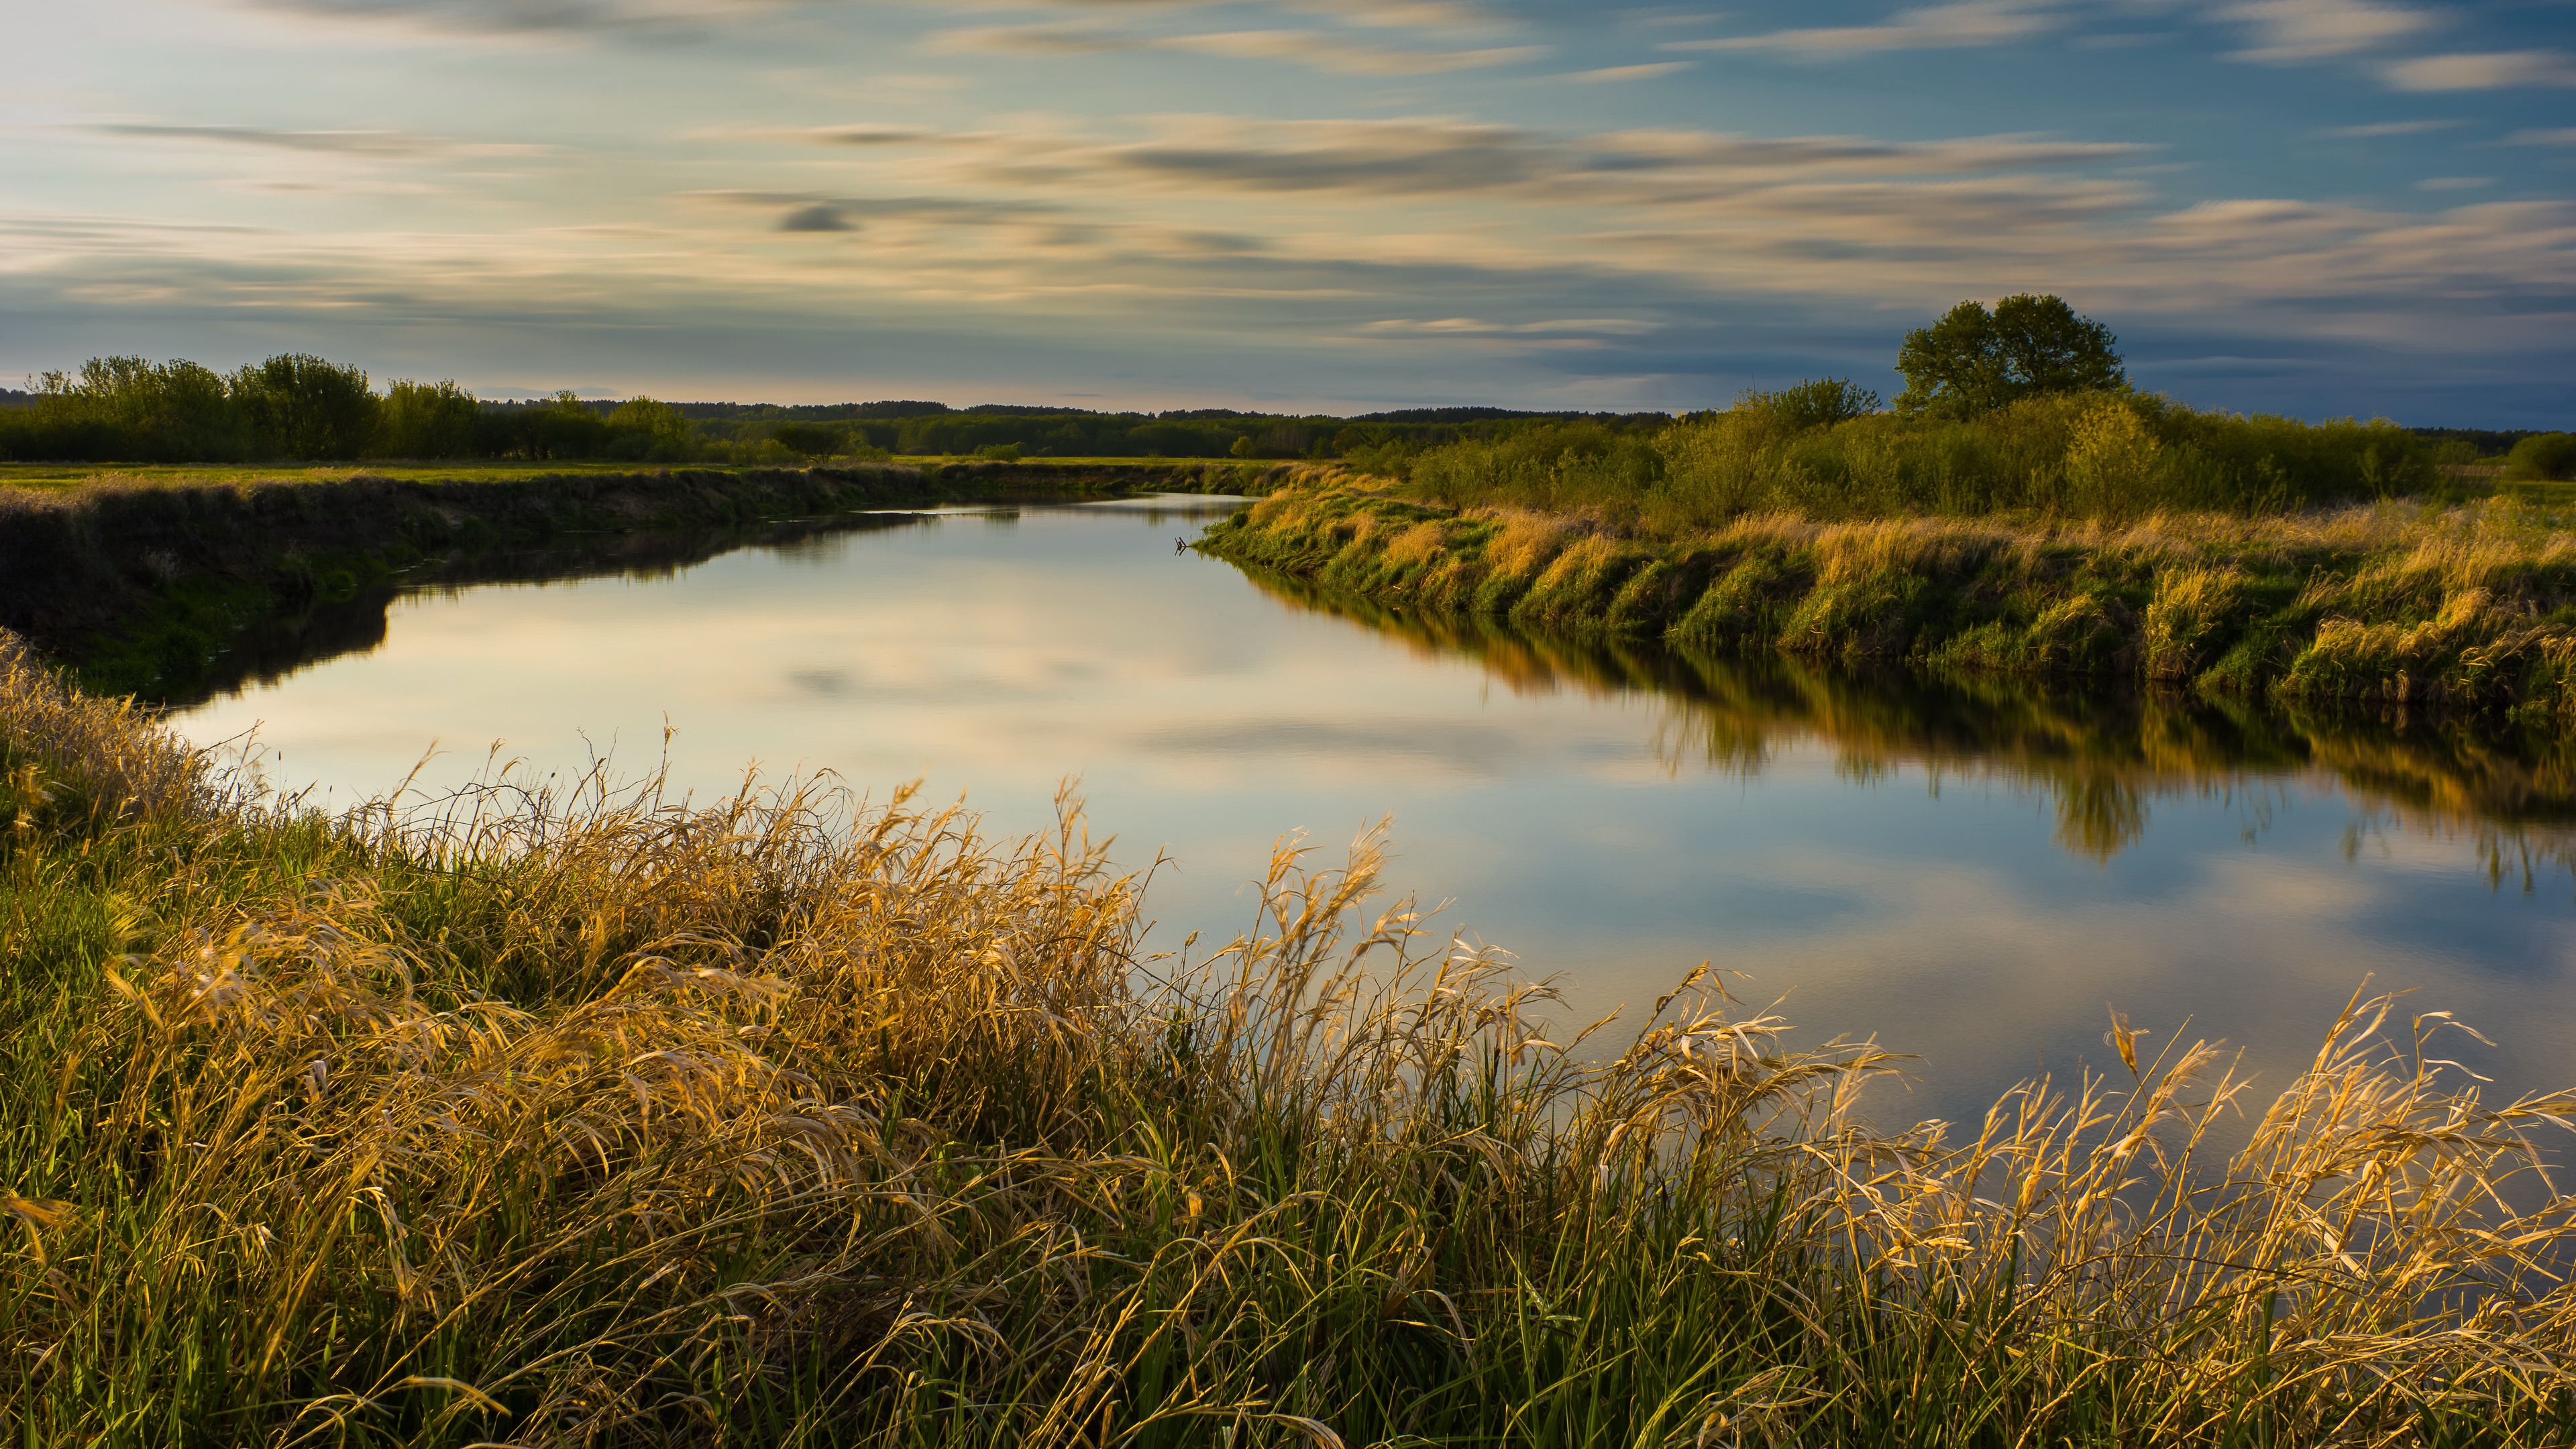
<point x="2103" y="756"/>
<point x="321" y="628"/>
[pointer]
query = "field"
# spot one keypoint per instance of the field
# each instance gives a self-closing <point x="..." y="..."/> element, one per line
<point x="589" y="1118"/>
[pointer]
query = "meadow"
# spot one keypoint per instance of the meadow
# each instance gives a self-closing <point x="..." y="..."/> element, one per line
<point x="595" y="1117"/>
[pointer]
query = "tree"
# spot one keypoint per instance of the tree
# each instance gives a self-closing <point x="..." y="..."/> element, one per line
<point x="644" y="428"/>
<point x="1974" y="361"/>
<point x="811" y="440"/>
<point x="300" y="406"/>
<point x="426" y="420"/>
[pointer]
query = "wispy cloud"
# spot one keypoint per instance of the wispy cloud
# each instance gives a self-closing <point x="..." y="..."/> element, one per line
<point x="389" y="144"/>
<point x="2288" y="31"/>
<point x="2386" y="128"/>
<point x="539" y="16"/>
<point x="2557" y="136"/>
<point x="2491" y="71"/>
<point x="1304" y="47"/>
<point x="1434" y="157"/>
<point x="1932" y="27"/>
<point x="1631" y="72"/>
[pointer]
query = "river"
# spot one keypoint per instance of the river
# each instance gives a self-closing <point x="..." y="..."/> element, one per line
<point x="1973" y="872"/>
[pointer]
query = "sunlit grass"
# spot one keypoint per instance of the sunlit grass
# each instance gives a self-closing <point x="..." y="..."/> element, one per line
<point x="605" y="1119"/>
<point x="2401" y="601"/>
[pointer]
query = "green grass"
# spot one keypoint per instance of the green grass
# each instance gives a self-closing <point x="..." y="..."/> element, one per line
<point x="595" y="1119"/>
<point x="2106" y="456"/>
<point x="2402" y="602"/>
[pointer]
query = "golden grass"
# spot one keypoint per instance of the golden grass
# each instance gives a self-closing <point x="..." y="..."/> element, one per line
<point x="606" y="1120"/>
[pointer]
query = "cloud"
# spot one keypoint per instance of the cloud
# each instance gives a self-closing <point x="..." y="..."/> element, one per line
<point x="539" y="16"/>
<point x="1433" y="157"/>
<point x="2454" y="183"/>
<point x="818" y="217"/>
<point x="390" y="144"/>
<point x="2288" y="31"/>
<point x="1304" y="47"/>
<point x="1631" y="72"/>
<point x="2496" y="70"/>
<point x="2386" y="128"/>
<point x="2560" y="136"/>
<point x="1974" y="23"/>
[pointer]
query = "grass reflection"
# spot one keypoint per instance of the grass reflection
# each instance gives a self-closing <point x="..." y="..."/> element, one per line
<point x="2103" y="756"/>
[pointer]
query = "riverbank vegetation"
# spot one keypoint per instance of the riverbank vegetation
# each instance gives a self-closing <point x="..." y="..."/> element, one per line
<point x="599" y="1118"/>
<point x="2406" y="602"/>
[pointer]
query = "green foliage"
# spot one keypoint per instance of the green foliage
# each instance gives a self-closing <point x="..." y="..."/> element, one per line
<point x="426" y="420"/>
<point x="1818" y="404"/>
<point x="811" y="440"/>
<point x="643" y="430"/>
<point x="1973" y="361"/>
<point x="129" y="410"/>
<point x="564" y="427"/>
<point x="2543" y="457"/>
<point x="1000" y="452"/>
<point x="2110" y="455"/>
<point x="300" y="406"/>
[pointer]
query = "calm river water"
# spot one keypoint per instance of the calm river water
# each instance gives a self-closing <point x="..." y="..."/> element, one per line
<point x="1974" y="873"/>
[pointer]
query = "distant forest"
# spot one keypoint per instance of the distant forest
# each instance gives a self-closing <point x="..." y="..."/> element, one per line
<point x="303" y="408"/>
<point x="129" y="409"/>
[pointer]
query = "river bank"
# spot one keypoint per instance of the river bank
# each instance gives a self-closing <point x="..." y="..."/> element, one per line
<point x="147" y="583"/>
<point x="2468" y="606"/>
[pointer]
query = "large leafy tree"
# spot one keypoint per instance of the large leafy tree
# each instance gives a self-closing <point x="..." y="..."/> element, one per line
<point x="1974" y="361"/>
<point x="300" y="406"/>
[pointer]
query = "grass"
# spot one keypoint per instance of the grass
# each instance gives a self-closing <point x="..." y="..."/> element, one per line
<point x="605" y="1119"/>
<point x="2404" y="602"/>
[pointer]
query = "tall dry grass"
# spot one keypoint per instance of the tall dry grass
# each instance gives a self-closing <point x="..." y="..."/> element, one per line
<point x="604" y="1119"/>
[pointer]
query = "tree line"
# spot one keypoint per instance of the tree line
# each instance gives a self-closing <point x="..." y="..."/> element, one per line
<point x="297" y="407"/>
<point x="1972" y="367"/>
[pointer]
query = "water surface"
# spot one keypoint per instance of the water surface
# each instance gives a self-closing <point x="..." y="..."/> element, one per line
<point x="1975" y="872"/>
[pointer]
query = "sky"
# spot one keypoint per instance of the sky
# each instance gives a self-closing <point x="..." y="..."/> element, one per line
<point x="2314" y="207"/>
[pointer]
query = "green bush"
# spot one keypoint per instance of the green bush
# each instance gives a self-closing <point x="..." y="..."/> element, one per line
<point x="2549" y="457"/>
<point x="644" y="430"/>
<point x="2070" y="454"/>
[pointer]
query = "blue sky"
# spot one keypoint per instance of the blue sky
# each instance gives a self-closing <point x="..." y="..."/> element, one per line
<point x="2318" y="207"/>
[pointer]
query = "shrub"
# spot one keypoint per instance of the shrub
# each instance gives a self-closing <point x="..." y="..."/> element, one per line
<point x="297" y="405"/>
<point x="2543" y="457"/>
<point x="1818" y="404"/>
<point x="426" y="420"/>
<point x="643" y="429"/>
<point x="811" y="440"/>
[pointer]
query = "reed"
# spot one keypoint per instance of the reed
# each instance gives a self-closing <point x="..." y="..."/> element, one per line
<point x="602" y="1118"/>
